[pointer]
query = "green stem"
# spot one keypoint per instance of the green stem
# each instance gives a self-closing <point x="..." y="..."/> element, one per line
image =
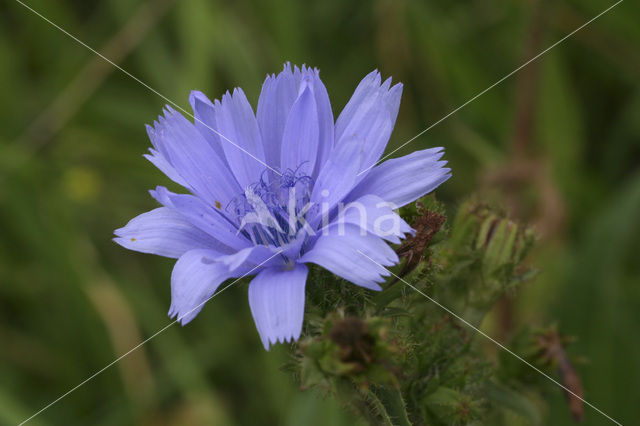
<point x="395" y="406"/>
<point x="379" y="408"/>
<point x="386" y="404"/>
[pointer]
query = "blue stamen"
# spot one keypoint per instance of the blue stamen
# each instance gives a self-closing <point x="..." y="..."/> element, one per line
<point x="272" y="210"/>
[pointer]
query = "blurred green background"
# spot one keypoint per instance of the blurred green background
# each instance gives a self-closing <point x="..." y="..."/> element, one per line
<point x="558" y="143"/>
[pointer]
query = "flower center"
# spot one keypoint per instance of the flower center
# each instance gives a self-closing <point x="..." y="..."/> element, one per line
<point x="272" y="211"/>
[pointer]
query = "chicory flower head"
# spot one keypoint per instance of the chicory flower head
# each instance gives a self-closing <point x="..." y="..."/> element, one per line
<point x="273" y="191"/>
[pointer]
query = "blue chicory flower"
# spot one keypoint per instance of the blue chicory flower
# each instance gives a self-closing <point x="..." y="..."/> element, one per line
<point x="268" y="193"/>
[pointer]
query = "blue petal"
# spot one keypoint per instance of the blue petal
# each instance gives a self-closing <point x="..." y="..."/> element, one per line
<point x="325" y="122"/>
<point x="238" y="124"/>
<point x="202" y="216"/>
<point x="276" y="298"/>
<point x="205" y="121"/>
<point x="338" y="176"/>
<point x="198" y="273"/>
<point x="376" y="216"/>
<point x="371" y="114"/>
<point x="193" y="159"/>
<point x="369" y="84"/>
<point x="276" y="98"/>
<point x="338" y="250"/>
<point x="193" y="281"/>
<point x="301" y="133"/>
<point x="275" y="106"/>
<point x="164" y="232"/>
<point x="405" y="179"/>
<point x="159" y="160"/>
<point x="252" y="257"/>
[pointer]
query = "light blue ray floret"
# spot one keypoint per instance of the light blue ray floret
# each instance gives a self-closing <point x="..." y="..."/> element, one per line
<point x="271" y="191"/>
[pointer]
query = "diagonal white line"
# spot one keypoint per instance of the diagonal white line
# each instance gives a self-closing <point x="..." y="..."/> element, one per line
<point x="115" y="361"/>
<point x="492" y="86"/>
<point x="500" y="345"/>
<point x="146" y="85"/>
